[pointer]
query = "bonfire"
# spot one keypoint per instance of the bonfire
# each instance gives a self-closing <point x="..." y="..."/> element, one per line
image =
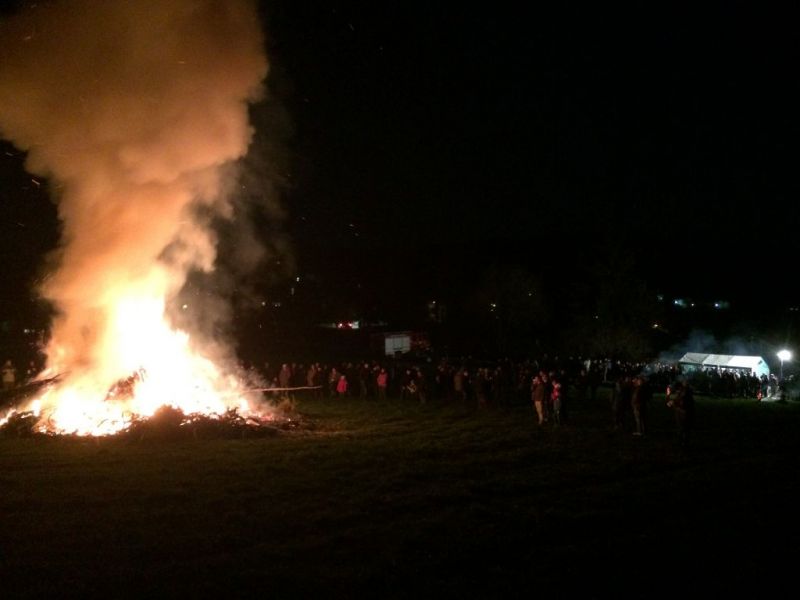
<point x="137" y="115"/>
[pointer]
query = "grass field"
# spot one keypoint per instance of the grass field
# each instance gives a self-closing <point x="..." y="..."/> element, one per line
<point x="398" y="500"/>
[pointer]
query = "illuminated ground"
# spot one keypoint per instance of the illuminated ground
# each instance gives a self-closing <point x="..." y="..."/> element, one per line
<point x="402" y="500"/>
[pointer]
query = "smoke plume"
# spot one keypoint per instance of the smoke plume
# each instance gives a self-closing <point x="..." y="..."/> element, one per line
<point x="136" y="111"/>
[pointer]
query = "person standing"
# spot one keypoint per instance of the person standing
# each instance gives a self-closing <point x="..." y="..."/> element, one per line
<point x="555" y="399"/>
<point x="583" y="385"/>
<point x="341" y="386"/>
<point x="405" y="387"/>
<point x="680" y="398"/>
<point x="382" y="381"/>
<point x="333" y="381"/>
<point x="640" y="398"/>
<point x="459" y="385"/>
<point x="9" y="375"/>
<point x="411" y="391"/>
<point x="311" y="377"/>
<point x="363" y="377"/>
<point x="422" y="387"/>
<point x="285" y="376"/>
<point x="479" y="386"/>
<point x="538" y="397"/>
<point x="595" y="379"/>
<point x="621" y="401"/>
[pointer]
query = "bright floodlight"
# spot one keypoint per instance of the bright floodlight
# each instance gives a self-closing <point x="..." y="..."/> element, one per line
<point x="785" y="355"/>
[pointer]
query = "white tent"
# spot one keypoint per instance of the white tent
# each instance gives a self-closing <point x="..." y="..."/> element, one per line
<point x="750" y="364"/>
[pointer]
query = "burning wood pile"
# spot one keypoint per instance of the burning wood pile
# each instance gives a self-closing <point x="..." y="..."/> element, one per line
<point x="170" y="423"/>
<point x="19" y="417"/>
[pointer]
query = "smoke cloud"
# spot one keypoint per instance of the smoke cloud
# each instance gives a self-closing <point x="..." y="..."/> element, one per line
<point x="705" y="342"/>
<point x="136" y="111"/>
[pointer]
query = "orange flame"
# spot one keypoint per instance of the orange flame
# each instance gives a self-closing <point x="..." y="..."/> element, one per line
<point x="140" y="340"/>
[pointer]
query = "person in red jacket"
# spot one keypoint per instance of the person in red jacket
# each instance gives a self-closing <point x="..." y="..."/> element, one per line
<point x="341" y="386"/>
<point x="382" y="381"/>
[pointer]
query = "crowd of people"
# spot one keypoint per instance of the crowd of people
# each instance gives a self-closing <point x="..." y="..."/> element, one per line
<point x="505" y="381"/>
<point x="548" y="383"/>
<point x="498" y="382"/>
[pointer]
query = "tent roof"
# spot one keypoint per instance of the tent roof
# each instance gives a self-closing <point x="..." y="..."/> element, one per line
<point x="722" y="360"/>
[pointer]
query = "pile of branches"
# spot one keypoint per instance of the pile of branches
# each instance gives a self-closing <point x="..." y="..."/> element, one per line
<point x="18" y="395"/>
<point x="170" y="423"/>
<point x="19" y="425"/>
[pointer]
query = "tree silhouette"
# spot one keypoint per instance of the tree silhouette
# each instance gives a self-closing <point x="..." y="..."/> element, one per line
<point x="509" y="308"/>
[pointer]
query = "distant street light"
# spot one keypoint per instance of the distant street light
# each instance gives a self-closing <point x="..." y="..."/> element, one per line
<point x="784" y="355"/>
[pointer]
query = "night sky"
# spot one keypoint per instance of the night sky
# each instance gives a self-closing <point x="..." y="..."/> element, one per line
<point x="541" y="135"/>
<point x="428" y="141"/>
